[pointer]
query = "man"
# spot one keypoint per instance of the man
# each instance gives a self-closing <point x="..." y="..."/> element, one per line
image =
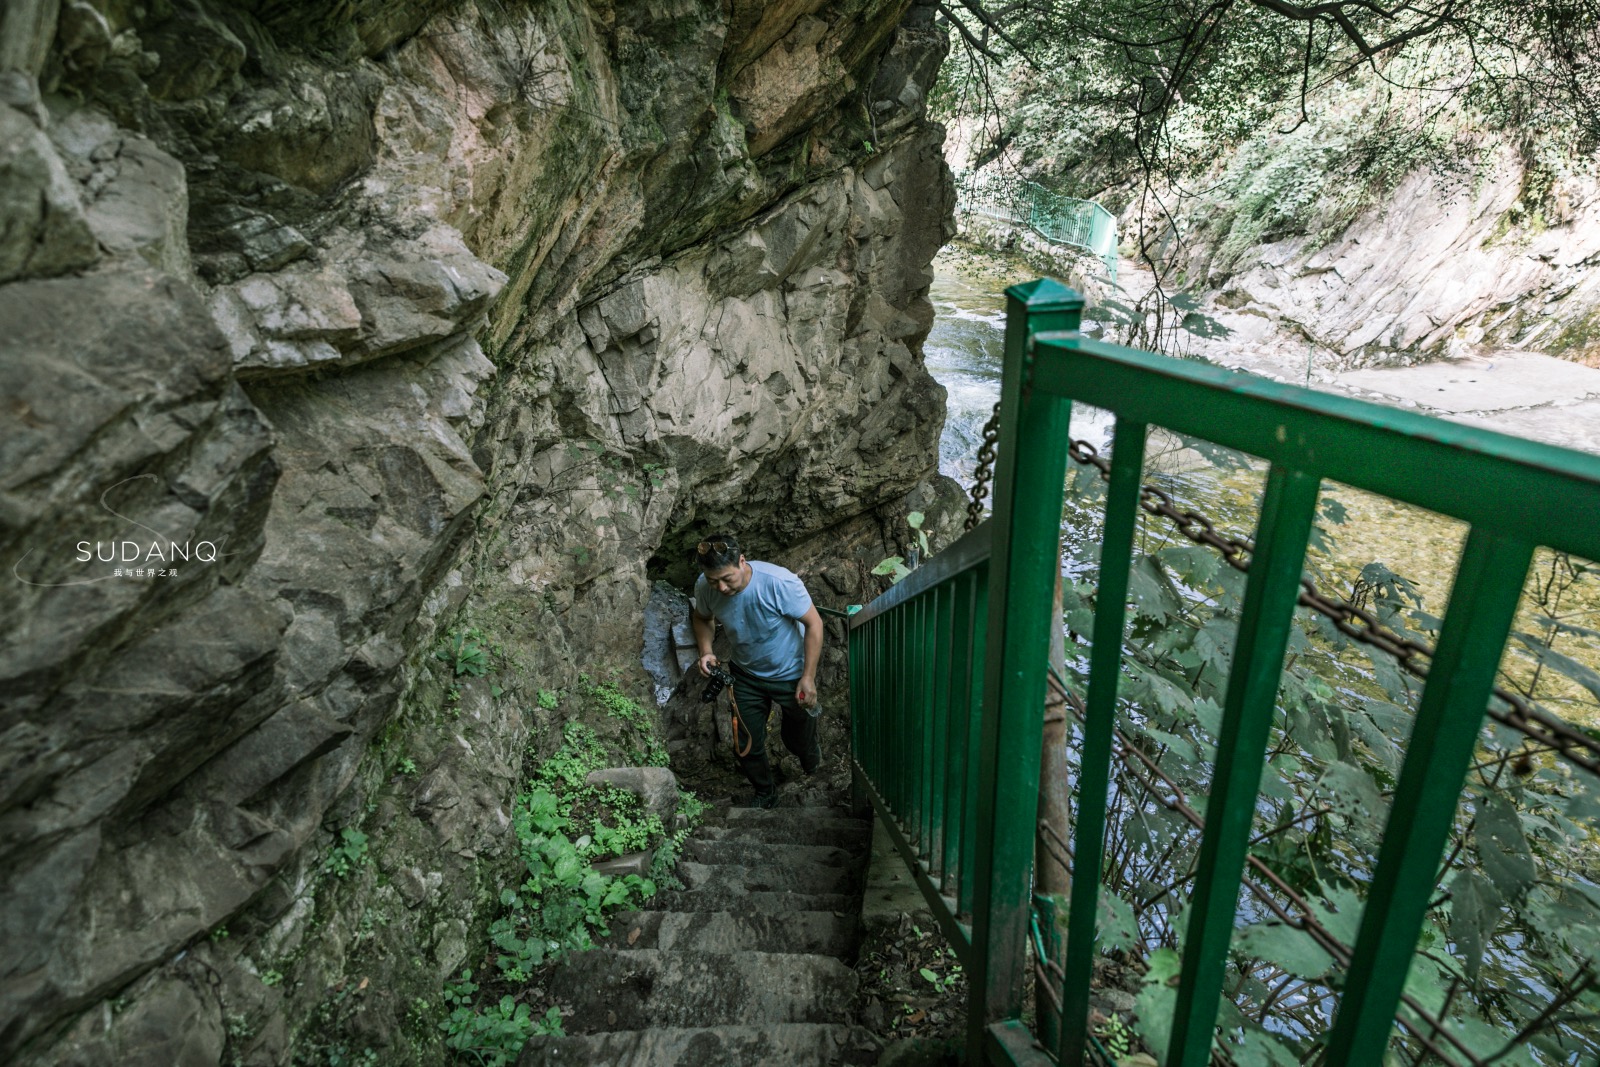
<point x="777" y="642"/>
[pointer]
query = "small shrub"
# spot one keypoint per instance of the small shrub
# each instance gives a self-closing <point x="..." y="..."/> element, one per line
<point x="348" y="854"/>
<point x="466" y="653"/>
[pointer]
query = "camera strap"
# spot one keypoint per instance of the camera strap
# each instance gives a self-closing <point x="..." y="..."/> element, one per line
<point x="738" y="724"/>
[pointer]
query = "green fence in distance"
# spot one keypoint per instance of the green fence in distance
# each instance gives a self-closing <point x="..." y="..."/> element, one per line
<point x="1062" y="219"/>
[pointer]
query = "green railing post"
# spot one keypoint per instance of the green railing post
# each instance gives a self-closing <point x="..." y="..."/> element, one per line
<point x="959" y="710"/>
<point x="1483" y="603"/>
<point x="1287" y="513"/>
<point x="939" y="735"/>
<point x="1024" y="560"/>
<point x="967" y="901"/>
<point x="1094" y="766"/>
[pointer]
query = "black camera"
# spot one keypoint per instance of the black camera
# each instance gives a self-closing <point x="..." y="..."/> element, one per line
<point x="719" y="680"/>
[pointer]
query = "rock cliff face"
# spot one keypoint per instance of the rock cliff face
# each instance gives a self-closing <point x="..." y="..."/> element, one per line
<point x="1444" y="265"/>
<point x="329" y="330"/>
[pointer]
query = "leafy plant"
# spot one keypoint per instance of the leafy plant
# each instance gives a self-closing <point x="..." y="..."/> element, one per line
<point x="1116" y="1036"/>
<point x="465" y="652"/>
<point x="896" y="567"/>
<point x="348" y="854"/>
<point x="561" y="825"/>
<point x="495" y="1034"/>
<point x="942" y="982"/>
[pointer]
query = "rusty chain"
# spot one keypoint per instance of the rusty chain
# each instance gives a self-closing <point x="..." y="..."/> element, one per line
<point x="985" y="469"/>
<point x="1531" y="721"/>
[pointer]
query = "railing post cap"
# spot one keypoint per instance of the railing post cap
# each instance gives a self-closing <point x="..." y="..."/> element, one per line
<point x="1046" y="294"/>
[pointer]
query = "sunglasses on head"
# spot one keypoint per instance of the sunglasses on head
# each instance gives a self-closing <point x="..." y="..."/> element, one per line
<point x="705" y="548"/>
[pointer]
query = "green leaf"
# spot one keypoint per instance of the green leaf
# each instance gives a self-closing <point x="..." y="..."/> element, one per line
<point x="1565" y="627"/>
<point x="1193" y="564"/>
<point x="1566" y="666"/>
<point x="566" y="867"/>
<point x="1583" y="806"/>
<point x="1427" y="982"/>
<point x="1164" y="965"/>
<point x="929" y="975"/>
<point x="1285" y="947"/>
<point x="1261" y="1049"/>
<point x="1154" y="1010"/>
<point x="1177" y="747"/>
<point x="914" y="520"/>
<point x="1151" y="591"/>
<point x="1340" y="912"/>
<point x="1215" y="641"/>
<point x="890" y="565"/>
<point x="1353" y="794"/>
<point x="1474" y="913"/>
<point x="1501" y="847"/>
<point x="1116" y="929"/>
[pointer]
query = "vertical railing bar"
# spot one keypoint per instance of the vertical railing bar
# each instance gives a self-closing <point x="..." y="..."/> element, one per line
<point x="1094" y="768"/>
<point x="908" y="711"/>
<point x="974" y="724"/>
<point x="879" y="708"/>
<point x="908" y="805"/>
<point x="1444" y="738"/>
<point x="938" y="771"/>
<point x="857" y="674"/>
<point x="1287" y="513"/>
<point x="1024" y="560"/>
<point x="928" y="639"/>
<point x="911" y="742"/>
<point x="880" y="637"/>
<point x="902" y="676"/>
<point x="956" y="726"/>
<point x="891" y="659"/>
<point x="876" y="722"/>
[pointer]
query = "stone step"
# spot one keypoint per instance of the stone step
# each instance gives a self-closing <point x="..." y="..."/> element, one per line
<point x="619" y="989"/>
<point x="770" y="878"/>
<point x="756" y="852"/>
<point x="812" y="932"/>
<point x="841" y="833"/>
<point x="782" y="1045"/>
<point x="737" y="898"/>
<point x="781" y="819"/>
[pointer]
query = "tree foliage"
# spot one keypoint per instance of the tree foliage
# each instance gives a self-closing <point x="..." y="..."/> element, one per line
<point x="1235" y="63"/>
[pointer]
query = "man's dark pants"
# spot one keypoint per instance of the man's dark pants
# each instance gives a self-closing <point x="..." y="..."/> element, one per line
<point x="798" y="729"/>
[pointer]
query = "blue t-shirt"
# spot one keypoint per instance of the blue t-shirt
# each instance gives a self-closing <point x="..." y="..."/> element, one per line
<point x="763" y="619"/>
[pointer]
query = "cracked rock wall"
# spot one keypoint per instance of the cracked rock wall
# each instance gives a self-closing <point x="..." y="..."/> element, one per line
<point x="330" y="329"/>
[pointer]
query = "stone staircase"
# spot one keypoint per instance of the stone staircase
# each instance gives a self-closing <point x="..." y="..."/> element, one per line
<point x="750" y="963"/>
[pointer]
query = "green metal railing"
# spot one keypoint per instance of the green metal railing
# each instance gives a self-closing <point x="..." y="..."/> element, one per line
<point x="1062" y="219"/>
<point x="948" y="668"/>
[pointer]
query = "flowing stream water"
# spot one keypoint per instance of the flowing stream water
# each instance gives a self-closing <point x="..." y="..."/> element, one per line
<point x="963" y="352"/>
